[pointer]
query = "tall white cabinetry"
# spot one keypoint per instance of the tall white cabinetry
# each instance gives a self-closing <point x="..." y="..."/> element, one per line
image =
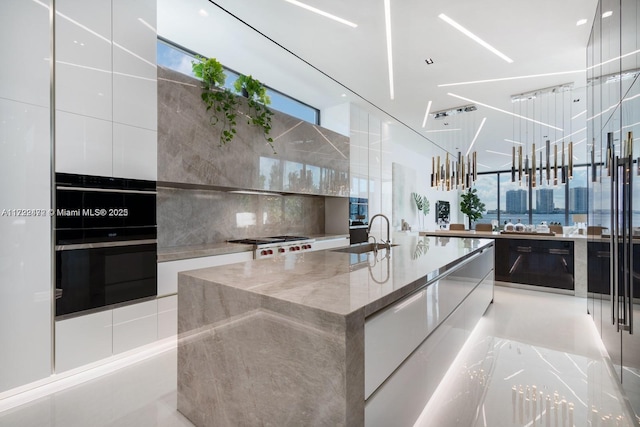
<point x="25" y="171"/>
<point x="106" y="95"/>
<point x="106" y="124"/>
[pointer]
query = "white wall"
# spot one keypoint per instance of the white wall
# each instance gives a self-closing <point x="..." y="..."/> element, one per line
<point x="25" y="253"/>
<point x="375" y="145"/>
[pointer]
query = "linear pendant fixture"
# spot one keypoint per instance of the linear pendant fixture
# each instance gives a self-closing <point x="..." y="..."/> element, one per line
<point x="548" y="167"/>
<point x="570" y="159"/>
<point x="533" y="165"/>
<point x="562" y="169"/>
<point x="594" y="176"/>
<point x="513" y="164"/>
<point x="555" y="165"/>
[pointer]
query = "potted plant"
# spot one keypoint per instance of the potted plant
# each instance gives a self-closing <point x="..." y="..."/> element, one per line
<point x="257" y="98"/>
<point x="471" y="205"/>
<point x="219" y="101"/>
<point x="422" y="204"/>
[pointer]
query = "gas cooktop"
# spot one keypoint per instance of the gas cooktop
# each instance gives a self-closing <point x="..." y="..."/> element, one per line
<point x="269" y="240"/>
<point x="269" y="247"/>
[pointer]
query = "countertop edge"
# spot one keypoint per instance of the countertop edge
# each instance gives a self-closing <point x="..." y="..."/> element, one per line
<point x="177" y="253"/>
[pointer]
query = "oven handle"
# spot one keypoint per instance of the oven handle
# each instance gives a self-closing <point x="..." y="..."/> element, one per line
<point x="106" y="190"/>
<point x="105" y="244"/>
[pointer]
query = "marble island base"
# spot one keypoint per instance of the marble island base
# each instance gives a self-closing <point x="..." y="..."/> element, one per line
<point x="284" y="342"/>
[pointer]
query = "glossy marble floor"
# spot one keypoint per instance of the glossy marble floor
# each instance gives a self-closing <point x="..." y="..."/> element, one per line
<point x="529" y="343"/>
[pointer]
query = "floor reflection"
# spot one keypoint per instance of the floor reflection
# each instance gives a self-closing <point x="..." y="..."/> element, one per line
<point x="520" y="368"/>
<point x="534" y="360"/>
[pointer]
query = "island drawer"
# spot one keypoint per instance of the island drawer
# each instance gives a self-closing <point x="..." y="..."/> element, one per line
<point x="393" y="333"/>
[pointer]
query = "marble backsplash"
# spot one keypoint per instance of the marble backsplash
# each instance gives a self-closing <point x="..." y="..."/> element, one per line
<point x="195" y="216"/>
<point x="309" y="158"/>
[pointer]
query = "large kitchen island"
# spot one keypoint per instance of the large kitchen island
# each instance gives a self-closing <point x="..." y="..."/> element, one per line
<point x="329" y="337"/>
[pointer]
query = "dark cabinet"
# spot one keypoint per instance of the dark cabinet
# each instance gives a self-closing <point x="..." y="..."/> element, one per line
<point x="535" y="262"/>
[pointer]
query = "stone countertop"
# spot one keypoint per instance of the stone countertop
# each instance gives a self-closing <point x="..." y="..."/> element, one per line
<point x="498" y="235"/>
<point x="341" y="283"/>
<point x="223" y="248"/>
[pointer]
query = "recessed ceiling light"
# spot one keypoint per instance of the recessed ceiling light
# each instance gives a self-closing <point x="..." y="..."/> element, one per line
<point x="473" y="37"/>
<point x="581" y="22"/>
<point x="607" y="14"/>
<point x="429" y="61"/>
<point x="504" y="111"/>
<point x="426" y="114"/>
<point x="344" y="95"/>
<point x="322" y="13"/>
<point x="203" y="12"/>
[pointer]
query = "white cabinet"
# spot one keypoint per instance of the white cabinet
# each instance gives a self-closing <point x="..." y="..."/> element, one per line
<point x="168" y="271"/>
<point x="92" y="337"/>
<point x="134" y="63"/>
<point x="134" y="326"/>
<point x="339" y="242"/>
<point x="134" y="152"/>
<point x="106" y="88"/>
<point x="24" y="30"/>
<point x="83" y="145"/>
<point x="83" y="58"/>
<point x="410" y="345"/>
<point x="25" y="253"/>
<point x="167" y="317"/>
<point x="84" y="339"/>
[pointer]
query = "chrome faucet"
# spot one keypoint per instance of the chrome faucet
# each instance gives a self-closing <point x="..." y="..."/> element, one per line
<point x="387" y="243"/>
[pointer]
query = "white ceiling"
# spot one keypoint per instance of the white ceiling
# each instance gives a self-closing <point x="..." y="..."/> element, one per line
<point x="317" y="60"/>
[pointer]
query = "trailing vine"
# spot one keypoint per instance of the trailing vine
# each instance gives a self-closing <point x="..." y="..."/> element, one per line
<point x="222" y="101"/>
<point x="257" y="99"/>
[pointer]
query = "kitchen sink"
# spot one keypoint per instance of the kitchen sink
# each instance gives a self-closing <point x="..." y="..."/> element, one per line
<point x="365" y="247"/>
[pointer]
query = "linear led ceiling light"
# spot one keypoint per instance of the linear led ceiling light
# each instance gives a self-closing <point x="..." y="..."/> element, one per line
<point x="387" y="24"/>
<point x="426" y="114"/>
<point x="322" y="13"/>
<point x="504" y="111"/>
<point x="441" y="130"/>
<point x="579" y="114"/>
<point x="502" y="154"/>
<point x="477" y="133"/>
<point x="515" y="142"/>
<point x="504" y="79"/>
<point x="473" y="37"/>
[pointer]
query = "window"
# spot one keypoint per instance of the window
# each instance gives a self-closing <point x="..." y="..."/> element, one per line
<point x="178" y="59"/>
<point x="514" y="200"/>
<point x="487" y="186"/>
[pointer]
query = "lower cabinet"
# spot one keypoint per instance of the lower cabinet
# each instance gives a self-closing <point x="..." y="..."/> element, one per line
<point x="535" y="262"/>
<point x="410" y="345"/>
<point x="168" y="270"/>
<point x="89" y="338"/>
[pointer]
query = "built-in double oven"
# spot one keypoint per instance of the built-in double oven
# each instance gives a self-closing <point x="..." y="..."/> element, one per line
<point x="106" y="242"/>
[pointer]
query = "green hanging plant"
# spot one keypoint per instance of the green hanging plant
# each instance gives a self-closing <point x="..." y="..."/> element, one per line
<point x="221" y="102"/>
<point x="256" y="94"/>
<point x="471" y="205"/>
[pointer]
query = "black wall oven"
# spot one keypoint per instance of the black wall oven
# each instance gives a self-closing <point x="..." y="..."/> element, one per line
<point x="106" y="242"/>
